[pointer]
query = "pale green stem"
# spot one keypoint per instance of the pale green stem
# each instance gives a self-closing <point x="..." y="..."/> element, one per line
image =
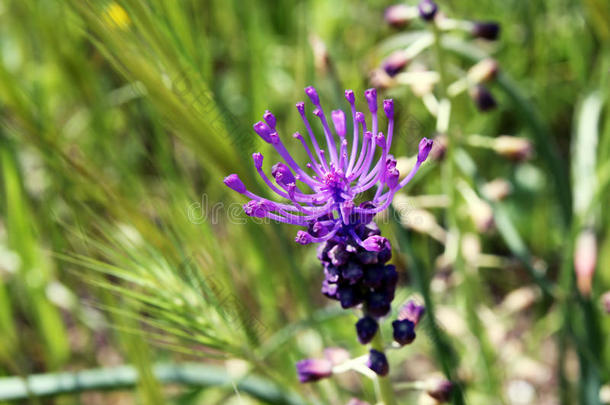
<point x="383" y="385"/>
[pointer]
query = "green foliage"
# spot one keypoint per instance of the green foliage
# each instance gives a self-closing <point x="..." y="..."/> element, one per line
<point x="120" y="244"/>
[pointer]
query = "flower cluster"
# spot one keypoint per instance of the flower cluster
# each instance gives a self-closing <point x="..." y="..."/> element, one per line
<point x="402" y="67"/>
<point x="325" y="198"/>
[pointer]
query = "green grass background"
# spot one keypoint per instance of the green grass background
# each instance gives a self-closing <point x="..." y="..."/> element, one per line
<point x="119" y="243"/>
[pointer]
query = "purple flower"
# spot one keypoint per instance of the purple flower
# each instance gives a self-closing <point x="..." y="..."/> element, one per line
<point x="411" y="311"/>
<point x="366" y="328"/>
<point x="320" y="195"/>
<point x="378" y="362"/>
<point x="314" y="369"/>
<point x="440" y="390"/>
<point x="427" y="9"/>
<point x="403" y="331"/>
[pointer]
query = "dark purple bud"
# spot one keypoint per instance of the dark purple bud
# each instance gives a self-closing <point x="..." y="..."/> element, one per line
<point x="313" y="95"/>
<point x="301" y="107"/>
<point x="427" y="9"/>
<point x="373" y="276"/>
<point x="234" y="183"/>
<point x="258" y="209"/>
<point x="367" y="257"/>
<point x="303" y="238"/>
<point x="483" y="98"/>
<point x="378" y="362"/>
<point x="269" y="119"/>
<point x="487" y="30"/>
<point x="404" y="331"/>
<point x="338" y="118"/>
<point x="360" y="117"/>
<point x="352" y="272"/>
<point x="411" y="311"/>
<point x="366" y="328"/>
<point x="398" y="15"/>
<point x="263" y="130"/>
<point x="380" y="140"/>
<point x="371" y="98"/>
<point x="375" y="243"/>
<point x="440" y="390"/>
<point x="349" y="96"/>
<point x="349" y="296"/>
<point x="395" y="62"/>
<point x="338" y="255"/>
<point x="378" y="303"/>
<point x="390" y="276"/>
<point x="314" y="369"/>
<point x="388" y="108"/>
<point x="329" y="289"/>
<point x="425" y="145"/>
<point x="282" y="174"/>
<point x="258" y="160"/>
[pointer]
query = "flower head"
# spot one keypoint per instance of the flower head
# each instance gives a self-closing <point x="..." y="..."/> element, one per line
<point x="320" y="196"/>
<point x="310" y="370"/>
<point x="366" y="328"/>
<point x="378" y="362"/>
<point x="403" y="331"/>
<point x="427" y="9"/>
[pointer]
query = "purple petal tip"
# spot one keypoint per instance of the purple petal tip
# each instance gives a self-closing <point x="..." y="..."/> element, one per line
<point x="234" y="183"/>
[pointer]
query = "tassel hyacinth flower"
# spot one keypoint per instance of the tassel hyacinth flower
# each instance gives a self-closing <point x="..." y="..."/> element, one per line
<point x="321" y="197"/>
<point x="325" y="197"/>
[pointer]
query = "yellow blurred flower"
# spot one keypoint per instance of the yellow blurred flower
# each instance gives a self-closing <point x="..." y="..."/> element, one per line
<point x="115" y="15"/>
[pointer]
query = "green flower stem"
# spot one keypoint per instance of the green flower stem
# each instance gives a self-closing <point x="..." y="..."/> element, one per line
<point x="122" y="377"/>
<point x="383" y="385"/>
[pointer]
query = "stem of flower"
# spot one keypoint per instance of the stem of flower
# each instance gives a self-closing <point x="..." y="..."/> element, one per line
<point x="383" y="385"/>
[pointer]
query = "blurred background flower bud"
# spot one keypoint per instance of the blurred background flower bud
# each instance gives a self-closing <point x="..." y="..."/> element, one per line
<point x="427" y="10"/>
<point x="336" y="355"/>
<point x="585" y="260"/>
<point x="497" y="189"/>
<point x="486" y="30"/>
<point x="321" y="58"/>
<point x="440" y="147"/>
<point x="380" y="79"/>
<point x="440" y="389"/>
<point x="483" y="71"/>
<point x="471" y="248"/>
<point x="482" y="98"/>
<point x="482" y="215"/>
<point x="395" y="62"/>
<point x="400" y="15"/>
<point x="514" y="148"/>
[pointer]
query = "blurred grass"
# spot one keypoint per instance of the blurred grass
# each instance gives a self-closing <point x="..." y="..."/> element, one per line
<point x="128" y="120"/>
